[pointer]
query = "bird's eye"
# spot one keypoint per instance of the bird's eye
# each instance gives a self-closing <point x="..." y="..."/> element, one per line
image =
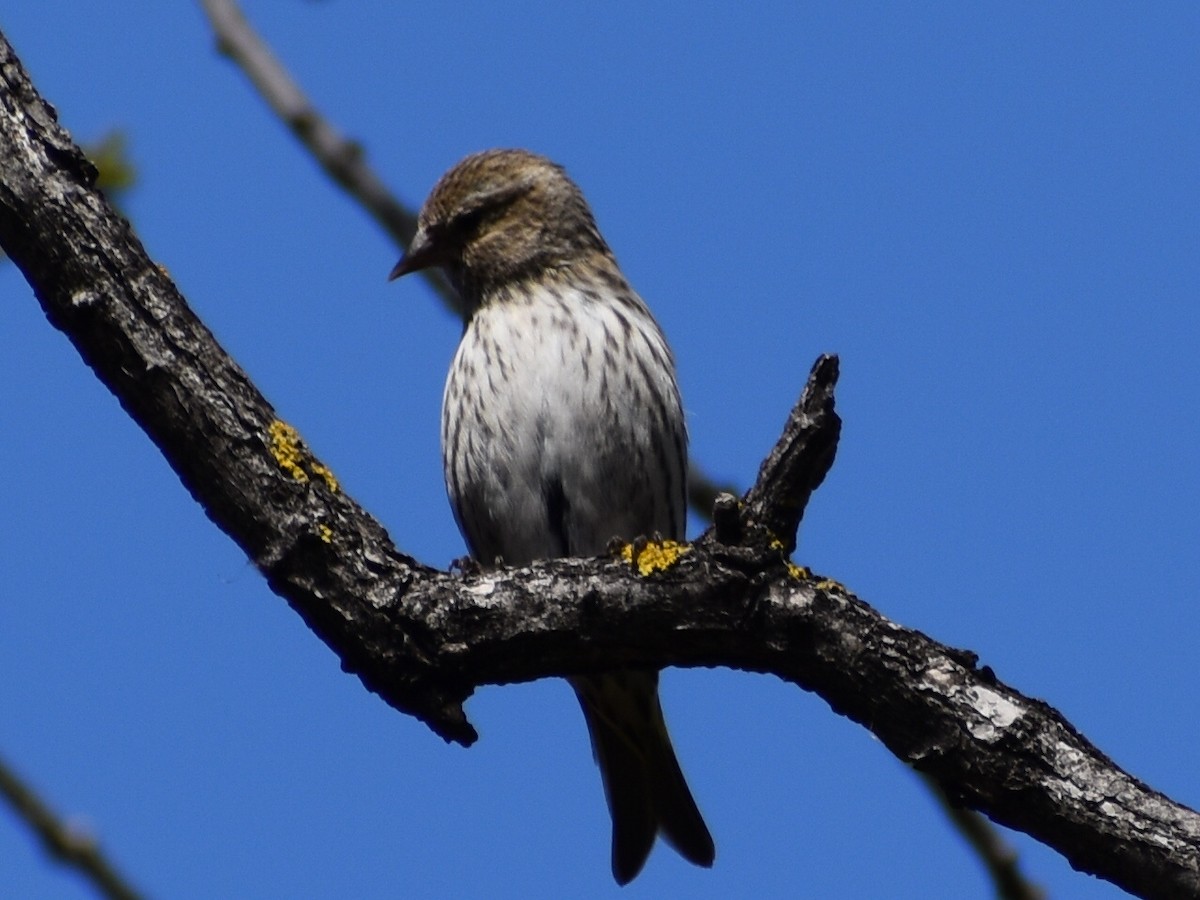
<point x="484" y="206"/>
<point x="468" y="221"/>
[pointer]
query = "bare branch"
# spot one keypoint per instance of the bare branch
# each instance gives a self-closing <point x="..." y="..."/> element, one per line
<point x="342" y="159"/>
<point x="69" y="845"/>
<point x="796" y="468"/>
<point x="423" y="639"/>
<point x="997" y="855"/>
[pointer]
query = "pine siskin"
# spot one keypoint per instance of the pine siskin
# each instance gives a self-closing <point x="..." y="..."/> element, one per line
<point x="562" y="429"/>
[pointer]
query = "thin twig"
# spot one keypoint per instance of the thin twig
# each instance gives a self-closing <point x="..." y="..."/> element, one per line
<point x="341" y="158"/>
<point x="997" y="854"/>
<point x="69" y="845"/>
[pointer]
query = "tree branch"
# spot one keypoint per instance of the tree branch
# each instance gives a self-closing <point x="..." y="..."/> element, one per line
<point x="68" y="845"/>
<point x="341" y="158"/>
<point x="997" y="855"/>
<point x="424" y="639"/>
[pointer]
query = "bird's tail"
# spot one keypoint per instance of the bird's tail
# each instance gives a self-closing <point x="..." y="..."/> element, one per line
<point x="643" y="783"/>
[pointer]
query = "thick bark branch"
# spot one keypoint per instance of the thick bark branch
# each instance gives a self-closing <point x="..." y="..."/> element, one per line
<point x="423" y="639"/>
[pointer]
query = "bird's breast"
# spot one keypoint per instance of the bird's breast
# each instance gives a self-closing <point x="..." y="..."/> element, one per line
<point x="562" y="427"/>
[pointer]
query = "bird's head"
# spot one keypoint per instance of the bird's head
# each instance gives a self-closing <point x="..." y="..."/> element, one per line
<point x="500" y="216"/>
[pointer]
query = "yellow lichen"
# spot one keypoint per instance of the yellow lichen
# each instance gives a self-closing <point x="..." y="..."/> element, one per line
<point x="294" y="458"/>
<point x="326" y="533"/>
<point x="828" y="584"/>
<point x="286" y="448"/>
<point x="323" y="472"/>
<point x="800" y="573"/>
<point x="654" y="556"/>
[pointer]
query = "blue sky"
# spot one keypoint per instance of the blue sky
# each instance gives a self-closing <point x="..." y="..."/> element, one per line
<point x="989" y="212"/>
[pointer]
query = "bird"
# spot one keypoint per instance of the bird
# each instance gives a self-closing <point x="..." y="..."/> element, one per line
<point x="562" y="428"/>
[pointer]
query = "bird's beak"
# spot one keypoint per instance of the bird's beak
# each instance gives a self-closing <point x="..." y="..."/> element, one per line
<point x="421" y="254"/>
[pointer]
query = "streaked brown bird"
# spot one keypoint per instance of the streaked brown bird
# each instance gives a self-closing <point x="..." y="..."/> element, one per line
<point x="562" y="429"/>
